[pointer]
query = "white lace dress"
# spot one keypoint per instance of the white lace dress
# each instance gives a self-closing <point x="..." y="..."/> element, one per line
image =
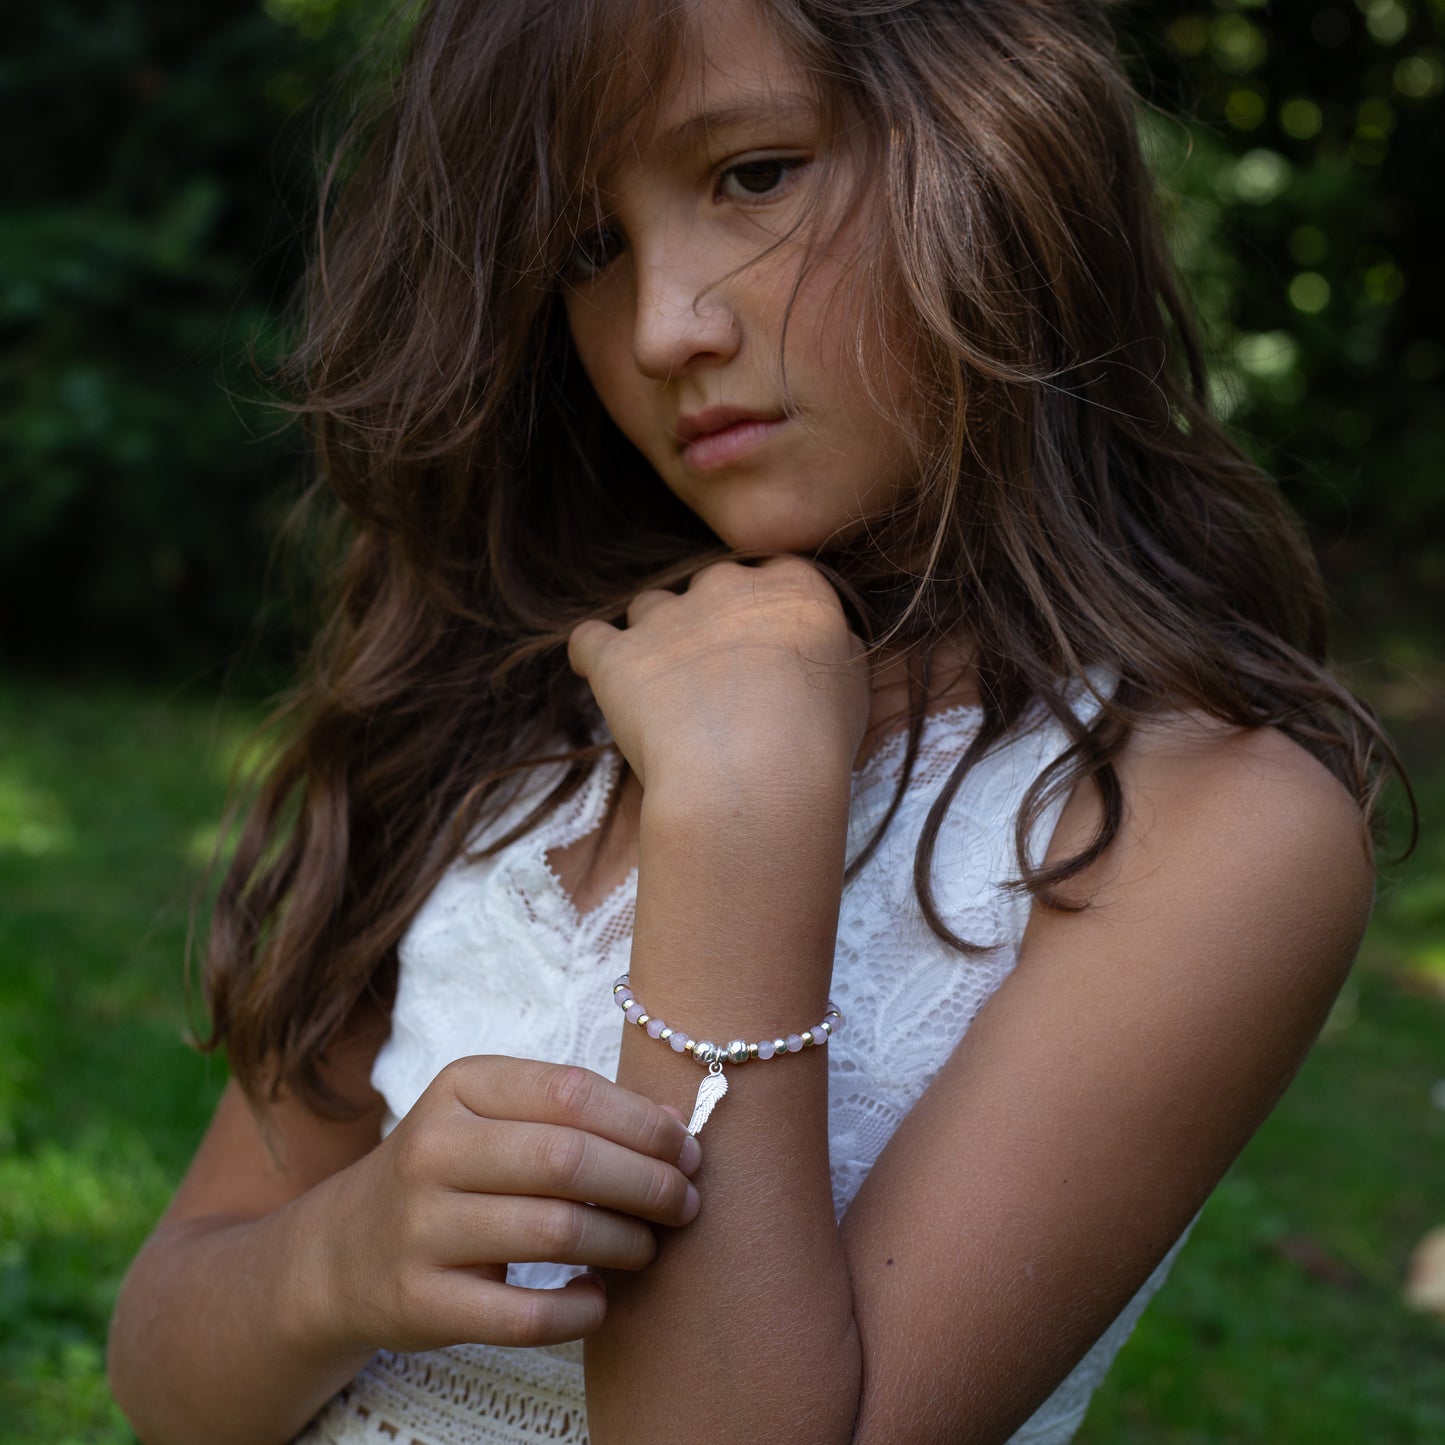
<point x="498" y="961"/>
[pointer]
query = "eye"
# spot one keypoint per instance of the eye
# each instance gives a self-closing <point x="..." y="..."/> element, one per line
<point x="592" y="252"/>
<point x="756" y="179"/>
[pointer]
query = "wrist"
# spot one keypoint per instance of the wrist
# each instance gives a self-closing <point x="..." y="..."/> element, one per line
<point x="806" y="790"/>
<point x="318" y="1314"/>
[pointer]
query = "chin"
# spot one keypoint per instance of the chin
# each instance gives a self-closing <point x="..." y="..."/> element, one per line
<point x="800" y="541"/>
<point x="784" y="529"/>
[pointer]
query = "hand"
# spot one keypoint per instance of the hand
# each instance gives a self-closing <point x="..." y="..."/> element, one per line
<point x="752" y="668"/>
<point x="502" y="1160"/>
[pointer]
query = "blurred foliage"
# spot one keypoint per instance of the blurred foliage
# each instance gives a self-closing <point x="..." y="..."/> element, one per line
<point x="148" y="245"/>
<point x="1295" y="144"/>
<point x="164" y="177"/>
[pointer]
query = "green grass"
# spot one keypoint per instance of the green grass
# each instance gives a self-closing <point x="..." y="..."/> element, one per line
<point x="106" y="798"/>
<point x="1282" y="1322"/>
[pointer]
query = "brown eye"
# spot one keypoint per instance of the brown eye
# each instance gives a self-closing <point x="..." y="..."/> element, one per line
<point x="755" y="179"/>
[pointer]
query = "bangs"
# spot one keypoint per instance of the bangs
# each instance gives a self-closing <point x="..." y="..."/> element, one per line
<point x="620" y="60"/>
<point x="613" y="67"/>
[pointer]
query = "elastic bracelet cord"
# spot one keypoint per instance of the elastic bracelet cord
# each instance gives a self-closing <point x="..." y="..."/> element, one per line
<point x="714" y="1056"/>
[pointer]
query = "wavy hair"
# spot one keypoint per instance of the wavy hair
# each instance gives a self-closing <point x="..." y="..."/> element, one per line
<point x="1077" y="504"/>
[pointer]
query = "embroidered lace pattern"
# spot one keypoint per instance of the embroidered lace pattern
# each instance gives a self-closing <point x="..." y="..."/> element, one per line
<point x="499" y="961"/>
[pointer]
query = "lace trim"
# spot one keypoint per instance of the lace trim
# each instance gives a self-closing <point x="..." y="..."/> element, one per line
<point x="445" y="1397"/>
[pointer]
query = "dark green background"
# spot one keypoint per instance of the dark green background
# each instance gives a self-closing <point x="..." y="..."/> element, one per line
<point x="159" y="164"/>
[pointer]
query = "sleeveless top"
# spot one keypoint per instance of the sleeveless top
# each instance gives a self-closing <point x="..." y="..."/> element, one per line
<point x="499" y="961"/>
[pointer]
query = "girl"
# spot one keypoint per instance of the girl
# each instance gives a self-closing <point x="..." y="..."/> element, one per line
<point x="789" y="559"/>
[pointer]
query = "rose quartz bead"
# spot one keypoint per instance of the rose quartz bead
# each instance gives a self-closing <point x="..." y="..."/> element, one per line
<point x="795" y="1042"/>
<point x="634" y="1012"/>
<point x="621" y="978"/>
<point x="820" y="1035"/>
<point x="623" y="999"/>
<point x="765" y="1048"/>
<point x="679" y="1041"/>
<point x="655" y="1028"/>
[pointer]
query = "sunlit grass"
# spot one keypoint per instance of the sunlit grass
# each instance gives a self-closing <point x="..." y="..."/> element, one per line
<point x="102" y="794"/>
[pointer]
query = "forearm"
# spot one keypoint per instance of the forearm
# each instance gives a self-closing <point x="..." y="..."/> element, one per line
<point x="221" y="1335"/>
<point x="736" y="922"/>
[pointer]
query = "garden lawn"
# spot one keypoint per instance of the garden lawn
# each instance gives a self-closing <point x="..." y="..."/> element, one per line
<point x="1282" y="1322"/>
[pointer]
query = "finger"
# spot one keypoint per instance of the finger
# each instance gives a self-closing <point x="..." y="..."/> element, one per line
<point x="486" y="1312"/>
<point x="691" y="1149"/>
<point x="646" y="602"/>
<point x="504" y="1156"/>
<point x="585" y="644"/>
<point x="715" y="574"/>
<point x="474" y="1229"/>
<point x="498" y="1087"/>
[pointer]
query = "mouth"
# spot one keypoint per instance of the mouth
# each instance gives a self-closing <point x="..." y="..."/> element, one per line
<point x="722" y="435"/>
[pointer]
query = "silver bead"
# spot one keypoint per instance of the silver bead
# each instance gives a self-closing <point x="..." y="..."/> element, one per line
<point x="665" y="1035"/>
<point x="705" y="1052"/>
<point x="807" y="1037"/>
<point x="737" y="1051"/>
<point x="752" y="1051"/>
<point x="826" y="1027"/>
<point x="641" y="1020"/>
<point x="780" y="1046"/>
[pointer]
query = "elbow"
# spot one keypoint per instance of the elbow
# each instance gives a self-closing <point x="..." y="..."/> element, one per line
<point x="123" y="1352"/>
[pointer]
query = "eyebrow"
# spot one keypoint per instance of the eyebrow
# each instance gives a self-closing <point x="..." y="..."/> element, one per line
<point x="770" y="107"/>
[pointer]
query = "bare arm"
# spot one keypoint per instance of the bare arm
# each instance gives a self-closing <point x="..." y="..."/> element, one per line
<point x="275" y="1276"/>
<point x="216" y="1335"/>
<point x="1056" y="1157"/>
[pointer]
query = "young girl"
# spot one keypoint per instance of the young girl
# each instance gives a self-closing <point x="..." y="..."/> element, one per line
<point x="790" y="564"/>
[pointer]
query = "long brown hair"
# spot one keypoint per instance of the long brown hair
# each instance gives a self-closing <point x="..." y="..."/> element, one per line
<point x="1077" y="504"/>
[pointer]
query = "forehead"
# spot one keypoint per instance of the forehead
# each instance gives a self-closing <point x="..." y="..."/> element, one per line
<point x="680" y="73"/>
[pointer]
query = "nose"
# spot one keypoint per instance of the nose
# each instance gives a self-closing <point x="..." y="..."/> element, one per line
<point x="683" y="318"/>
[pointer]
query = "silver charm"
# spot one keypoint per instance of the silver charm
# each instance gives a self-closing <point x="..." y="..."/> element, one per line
<point x="712" y="1088"/>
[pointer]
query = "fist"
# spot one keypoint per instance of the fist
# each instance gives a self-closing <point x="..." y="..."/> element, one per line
<point x="751" y="674"/>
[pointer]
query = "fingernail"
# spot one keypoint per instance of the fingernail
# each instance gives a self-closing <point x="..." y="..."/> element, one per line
<point x="691" y="1204"/>
<point x="691" y="1155"/>
<point x="596" y="1279"/>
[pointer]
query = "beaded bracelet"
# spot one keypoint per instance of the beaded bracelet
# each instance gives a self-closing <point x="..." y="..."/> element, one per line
<point x="714" y="1056"/>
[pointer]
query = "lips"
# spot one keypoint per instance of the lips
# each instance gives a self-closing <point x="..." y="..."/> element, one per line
<point x="718" y="418"/>
<point x="719" y="435"/>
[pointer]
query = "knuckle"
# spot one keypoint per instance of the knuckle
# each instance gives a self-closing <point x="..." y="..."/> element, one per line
<point x="568" y="1089"/>
<point x="664" y="1194"/>
<point x="557" y="1228"/>
<point x="559" y="1156"/>
<point x="464" y="1076"/>
<point x="717" y="574"/>
<point x="791" y="568"/>
<point x="412" y="1151"/>
<point x="658" y="1135"/>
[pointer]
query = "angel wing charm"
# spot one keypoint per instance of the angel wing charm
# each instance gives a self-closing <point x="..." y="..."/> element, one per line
<point x="712" y="1088"/>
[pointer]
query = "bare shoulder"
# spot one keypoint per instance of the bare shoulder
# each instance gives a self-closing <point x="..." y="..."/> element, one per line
<point x="1270" y="778"/>
<point x="1246" y="815"/>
